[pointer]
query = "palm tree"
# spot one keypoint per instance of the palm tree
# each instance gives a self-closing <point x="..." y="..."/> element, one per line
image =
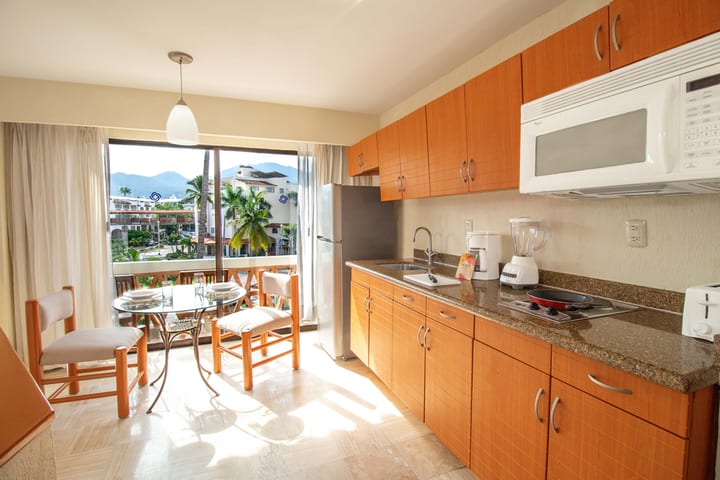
<point x="251" y="223"/>
<point x="289" y="233"/>
<point x="197" y="194"/>
<point x="125" y="191"/>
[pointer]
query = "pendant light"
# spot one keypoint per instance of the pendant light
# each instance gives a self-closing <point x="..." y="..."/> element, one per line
<point x="181" y="127"/>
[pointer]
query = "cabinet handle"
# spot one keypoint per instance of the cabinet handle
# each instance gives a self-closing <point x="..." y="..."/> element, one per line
<point x="360" y="160"/>
<point x="407" y="298"/>
<point x="555" y="403"/>
<point x="539" y="394"/>
<point x="613" y="33"/>
<point x="420" y="329"/>
<point x="366" y="302"/>
<point x="369" y="305"/>
<point x="471" y="168"/>
<point x="462" y="171"/>
<point x="402" y="183"/>
<point x="425" y="342"/>
<point x="446" y="315"/>
<point x="597" y="382"/>
<point x="595" y="43"/>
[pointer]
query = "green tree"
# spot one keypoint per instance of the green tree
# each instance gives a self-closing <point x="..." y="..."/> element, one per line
<point x="251" y="223"/>
<point x="197" y="193"/>
<point x="289" y="234"/>
<point x="125" y="191"/>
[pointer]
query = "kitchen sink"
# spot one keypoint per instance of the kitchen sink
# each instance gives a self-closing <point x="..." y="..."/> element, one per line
<point x="431" y="280"/>
<point x="402" y="266"/>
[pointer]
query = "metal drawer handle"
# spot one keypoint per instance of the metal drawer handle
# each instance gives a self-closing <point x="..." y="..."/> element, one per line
<point x="425" y="342"/>
<point x="407" y="298"/>
<point x="369" y="305"/>
<point x="613" y="32"/>
<point x="366" y="304"/>
<point x="446" y="315"/>
<point x="398" y="184"/>
<point x="595" y="43"/>
<point x="597" y="382"/>
<point x="471" y="170"/>
<point x="539" y="394"/>
<point x="555" y="403"/>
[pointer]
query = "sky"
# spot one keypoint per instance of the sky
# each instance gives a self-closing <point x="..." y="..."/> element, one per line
<point x="188" y="162"/>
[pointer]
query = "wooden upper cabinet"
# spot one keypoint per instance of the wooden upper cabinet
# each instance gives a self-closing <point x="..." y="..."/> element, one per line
<point x="646" y="27"/>
<point x="492" y="115"/>
<point x="447" y="144"/>
<point x="389" y="162"/>
<point x="363" y="157"/>
<point x="412" y="141"/>
<point x="567" y="57"/>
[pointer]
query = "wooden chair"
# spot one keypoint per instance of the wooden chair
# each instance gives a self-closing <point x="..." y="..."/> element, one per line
<point x="79" y="346"/>
<point x="126" y="283"/>
<point x="186" y="277"/>
<point x="257" y="326"/>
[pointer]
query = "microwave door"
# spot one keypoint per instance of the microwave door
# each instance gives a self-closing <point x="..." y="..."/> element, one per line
<point x="623" y="138"/>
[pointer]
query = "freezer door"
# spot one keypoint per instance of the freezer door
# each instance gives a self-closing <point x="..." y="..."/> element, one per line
<point x="328" y="213"/>
<point x="332" y="333"/>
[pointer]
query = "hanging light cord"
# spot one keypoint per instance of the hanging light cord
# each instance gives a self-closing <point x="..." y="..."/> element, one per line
<point x="181" y="80"/>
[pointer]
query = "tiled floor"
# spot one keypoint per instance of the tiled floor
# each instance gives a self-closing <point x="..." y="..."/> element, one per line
<point x="328" y="420"/>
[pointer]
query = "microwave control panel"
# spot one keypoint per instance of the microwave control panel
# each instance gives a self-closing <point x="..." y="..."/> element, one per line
<point x="701" y="119"/>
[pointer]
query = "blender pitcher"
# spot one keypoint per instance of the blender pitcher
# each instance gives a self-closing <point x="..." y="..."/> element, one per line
<point x="527" y="236"/>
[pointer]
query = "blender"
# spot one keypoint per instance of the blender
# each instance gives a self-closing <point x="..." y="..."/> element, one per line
<point x="527" y="236"/>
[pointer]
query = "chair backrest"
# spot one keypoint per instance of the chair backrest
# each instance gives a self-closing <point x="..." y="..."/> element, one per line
<point x="124" y="283"/>
<point x="186" y="277"/>
<point x="283" y="287"/>
<point x="55" y="307"/>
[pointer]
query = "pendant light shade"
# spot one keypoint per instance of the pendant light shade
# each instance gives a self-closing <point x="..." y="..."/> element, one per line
<point x="181" y="127"/>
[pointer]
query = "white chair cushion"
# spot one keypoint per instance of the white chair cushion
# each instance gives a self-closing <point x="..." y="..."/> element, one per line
<point x="89" y="344"/>
<point x="54" y="307"/>
<point x="277" y="284"/>
<point x="255" y="320"/>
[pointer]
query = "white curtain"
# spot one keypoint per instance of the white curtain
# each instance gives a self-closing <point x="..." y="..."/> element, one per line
<point x="57" y="219"/>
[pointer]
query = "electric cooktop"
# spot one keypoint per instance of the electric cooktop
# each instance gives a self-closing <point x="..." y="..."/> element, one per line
<point x="599" y="307"/>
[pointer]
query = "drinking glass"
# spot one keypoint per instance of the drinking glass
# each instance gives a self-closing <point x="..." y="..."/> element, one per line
<point x="199" y="282"/>
<point x="167" y="291"/>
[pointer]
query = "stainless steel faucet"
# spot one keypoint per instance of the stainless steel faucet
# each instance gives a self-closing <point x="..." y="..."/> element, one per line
<point x="428" y="251"/>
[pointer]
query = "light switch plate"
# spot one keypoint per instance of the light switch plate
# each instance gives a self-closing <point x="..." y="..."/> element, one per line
<point x="636" y="233"/>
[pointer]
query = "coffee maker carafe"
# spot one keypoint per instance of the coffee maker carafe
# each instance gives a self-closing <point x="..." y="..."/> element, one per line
<point x="485" y="247"/>
<point x="527" y="236"/>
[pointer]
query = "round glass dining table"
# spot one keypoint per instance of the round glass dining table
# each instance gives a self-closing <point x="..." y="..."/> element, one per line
<point x="187" y="304"/>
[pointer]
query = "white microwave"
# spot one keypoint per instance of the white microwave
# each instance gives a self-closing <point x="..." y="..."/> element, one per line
<point x="651" y="128"/>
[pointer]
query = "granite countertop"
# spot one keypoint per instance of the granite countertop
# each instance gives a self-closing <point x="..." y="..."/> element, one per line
<point x="645" y="342"/>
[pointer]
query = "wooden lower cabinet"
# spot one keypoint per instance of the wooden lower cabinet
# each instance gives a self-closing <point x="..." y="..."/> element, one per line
<point x="510" y="406"/>
<point x="380" y="346"/>
<point x="408" y="358"/>
<point x="448" y="384"/>
<point x="595" y="440"/>
<point x="359" y="319"/>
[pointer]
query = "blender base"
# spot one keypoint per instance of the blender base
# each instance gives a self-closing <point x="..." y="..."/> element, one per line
<point x="521" y="272"/>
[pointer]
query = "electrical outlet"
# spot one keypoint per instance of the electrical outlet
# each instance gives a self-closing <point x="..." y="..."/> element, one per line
<point x="468" y="225"/>
<point x="636" y="233"/>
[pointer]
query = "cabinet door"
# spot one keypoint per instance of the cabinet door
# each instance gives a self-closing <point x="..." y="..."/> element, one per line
<point x="381" y="339"/>
<point x="412" y="137"/>
<point x="492" y="112"/>
<point x="408" y="354"/>
<point x="646" y="27"/>
<point x="447" y="144"/>
<point x="448" y="381"/>
<point x="567" y="57"/>
<point x="508" y="439"/>
<point x="389" y="162"/>
<point x="597" y="440"/>
<point x="359" y="320"/>
<point x="362" y="157"/>
<point x="354" y="158"/>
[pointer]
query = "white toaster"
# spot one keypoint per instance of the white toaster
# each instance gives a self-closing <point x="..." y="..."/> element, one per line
<point x="701" y="313"/>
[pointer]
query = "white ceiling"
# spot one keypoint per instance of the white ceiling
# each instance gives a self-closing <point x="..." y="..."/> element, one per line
<point x="351" y="55"/>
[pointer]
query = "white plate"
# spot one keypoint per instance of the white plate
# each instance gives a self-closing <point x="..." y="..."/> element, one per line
<point x="223" y="286"/>
<point x="140" y="294"/>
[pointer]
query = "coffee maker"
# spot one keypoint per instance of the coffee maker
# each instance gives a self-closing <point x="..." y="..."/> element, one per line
<point x="485" y="247"/>
<point x="527" y="236"/>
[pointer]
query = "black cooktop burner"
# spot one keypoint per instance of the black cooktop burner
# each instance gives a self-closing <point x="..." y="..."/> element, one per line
<point x="600" y="307"/>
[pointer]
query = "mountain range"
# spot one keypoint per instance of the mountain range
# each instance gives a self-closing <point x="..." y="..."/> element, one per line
<point x="172" y="184"/>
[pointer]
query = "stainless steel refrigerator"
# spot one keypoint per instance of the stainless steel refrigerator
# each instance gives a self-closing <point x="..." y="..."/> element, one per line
<point x="351" y="224"/>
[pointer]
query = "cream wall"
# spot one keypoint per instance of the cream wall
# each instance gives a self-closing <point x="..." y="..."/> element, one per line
<point x="588" y="238"/>
<point x="145" y="112"/>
